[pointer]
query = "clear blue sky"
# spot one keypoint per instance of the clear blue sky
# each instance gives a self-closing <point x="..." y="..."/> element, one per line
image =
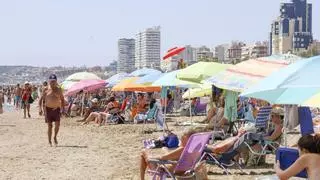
<point x="78" y="32"/>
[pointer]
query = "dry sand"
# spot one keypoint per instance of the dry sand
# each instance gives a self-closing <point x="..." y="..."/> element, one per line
<point x="84" y="152"/>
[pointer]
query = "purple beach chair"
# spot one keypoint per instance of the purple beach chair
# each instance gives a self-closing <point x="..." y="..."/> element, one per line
<point x="190" y="156"/>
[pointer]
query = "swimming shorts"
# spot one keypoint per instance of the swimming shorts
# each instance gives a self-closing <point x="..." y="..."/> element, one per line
<point x="52" y="115"/>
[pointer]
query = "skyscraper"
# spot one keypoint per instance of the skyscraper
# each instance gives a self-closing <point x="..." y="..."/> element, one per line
<point x="292" y="30"/>
<point x="126" y="51"/>
<point x="147" y="48"/>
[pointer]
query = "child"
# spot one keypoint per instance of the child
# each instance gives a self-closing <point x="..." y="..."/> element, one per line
<point x="309" y="148"/>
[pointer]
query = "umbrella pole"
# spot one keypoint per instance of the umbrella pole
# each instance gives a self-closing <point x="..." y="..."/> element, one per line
<point x="285" y="122"/>
<point x="190" y="109"/>
<point x="165" y="111"/>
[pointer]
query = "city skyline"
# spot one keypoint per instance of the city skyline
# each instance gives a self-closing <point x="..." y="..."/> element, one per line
<point x="68" y="33"/>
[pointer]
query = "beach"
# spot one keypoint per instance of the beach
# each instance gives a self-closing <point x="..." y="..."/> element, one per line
<point x="84" y="152"/>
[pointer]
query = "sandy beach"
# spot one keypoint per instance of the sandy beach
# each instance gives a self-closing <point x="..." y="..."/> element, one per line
<point x="84" y="152"/>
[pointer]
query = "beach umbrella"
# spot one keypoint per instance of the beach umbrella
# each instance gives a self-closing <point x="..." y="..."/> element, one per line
<point x="170" y="80"/>
<point x="294" y="84"/>
<point x="86" y="85"/>
<point x="117" y="78"/>
<point x="82" y="76"/>
<point x="248" y="73"/>
<point x="173" y="51"/>
<point x="130" y="85"/>
<point x="201" y="71"/>
<point x="65" y="85"/>
<point x="149" y="79"/>
<point x="144" y="71"/>
<point x="203" y="90"/>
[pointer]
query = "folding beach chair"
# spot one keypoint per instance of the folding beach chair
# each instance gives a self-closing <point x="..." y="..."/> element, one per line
<point x="190" y="156"/>
<point x="261" y="121"/>
<point x="199" y="108"/>
<point x="227" y="159"/>
<point x="286" y="157"/>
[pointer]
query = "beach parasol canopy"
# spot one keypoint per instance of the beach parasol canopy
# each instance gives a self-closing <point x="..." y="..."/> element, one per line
<point x="149" y="79"/>
<point x="82" y="76"/>
<point x="203" y="90"/>
<point x="65" y="85"/>
<point x="130" y="85"/>
<point x="173" y="51"/>
<point x="117" y="78"/>
<point x="294" y="84"/>
<point x="201" y="71"/>
<point x="144" y="71"/>
<point x="170" y="80"/>
<point x="248" y="73"/>
<point x="86" y="85"/>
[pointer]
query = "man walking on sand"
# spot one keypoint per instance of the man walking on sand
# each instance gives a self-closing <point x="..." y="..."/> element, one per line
<point x="53" y="104"/>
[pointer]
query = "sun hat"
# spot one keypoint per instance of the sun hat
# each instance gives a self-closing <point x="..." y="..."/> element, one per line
<point x="27" y="82"/>
<point x="278" y="111"/>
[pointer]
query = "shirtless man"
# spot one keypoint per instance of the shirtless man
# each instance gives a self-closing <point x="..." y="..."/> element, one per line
<point x="54" y="102"/>
<point x="17" y="95"/>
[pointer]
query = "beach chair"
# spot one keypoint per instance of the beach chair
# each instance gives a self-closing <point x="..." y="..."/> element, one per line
<point x="305" y="120"/>
<point x="200" y="108"/>
<point x="286" y="157"/>
<point x="185" y="166"/>
<point x="261" y="121"/>
<point x="227" y="159"/>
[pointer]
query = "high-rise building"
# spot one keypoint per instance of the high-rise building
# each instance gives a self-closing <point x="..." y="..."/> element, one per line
<point x="188" y="55"/>
<point x="292" y="30"/>
<point x="147" y="48"/>
<point x="203" y="53"/>
<point x="126" y="51"/>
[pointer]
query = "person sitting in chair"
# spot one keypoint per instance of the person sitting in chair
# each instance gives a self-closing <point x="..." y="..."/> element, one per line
<point x="150" y="115"/>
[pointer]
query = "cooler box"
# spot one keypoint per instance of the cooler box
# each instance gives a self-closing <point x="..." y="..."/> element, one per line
<point x="287" y="156"/>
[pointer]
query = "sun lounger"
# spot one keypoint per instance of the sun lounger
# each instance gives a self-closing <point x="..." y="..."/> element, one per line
<point x="190" y="156"/>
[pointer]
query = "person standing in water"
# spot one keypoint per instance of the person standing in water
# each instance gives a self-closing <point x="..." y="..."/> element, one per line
<point x="54" y="103"/>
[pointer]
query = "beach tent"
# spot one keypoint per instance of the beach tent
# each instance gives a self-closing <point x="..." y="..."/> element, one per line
<point x="200" y="71"/>
<point x="130" y="85"/>
<point x="247" y="73"/>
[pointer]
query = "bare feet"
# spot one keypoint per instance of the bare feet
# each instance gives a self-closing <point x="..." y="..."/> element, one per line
<point x="29" y="115"/>
<point x="50" y="143"/>
<point x="55" y="141"/>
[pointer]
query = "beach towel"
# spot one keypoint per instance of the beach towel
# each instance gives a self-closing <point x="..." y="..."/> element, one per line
<point x="305" y="119"/>
<point x="292" y="116"/>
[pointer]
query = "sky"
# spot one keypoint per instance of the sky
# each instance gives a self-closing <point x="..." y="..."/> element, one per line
<point x="85" y="32"/>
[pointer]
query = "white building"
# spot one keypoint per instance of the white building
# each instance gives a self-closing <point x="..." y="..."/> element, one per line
<point x="203" y="53"/>
<point x="147" y="48"/>
<point x="188" y="55"/>
<point x="170" y="64"/>
<point x="254" y="51"/>
<point x="126" y="52"/>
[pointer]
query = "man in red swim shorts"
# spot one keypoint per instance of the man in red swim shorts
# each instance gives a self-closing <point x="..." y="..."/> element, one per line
<point x="54" y="103"/>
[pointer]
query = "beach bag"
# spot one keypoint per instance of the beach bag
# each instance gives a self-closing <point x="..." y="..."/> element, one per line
<point x="30" y="100"/>
<point x="171" y="141"/>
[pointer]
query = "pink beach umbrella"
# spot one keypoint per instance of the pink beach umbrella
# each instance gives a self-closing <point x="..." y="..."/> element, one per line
<point x="86" y="85"/>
